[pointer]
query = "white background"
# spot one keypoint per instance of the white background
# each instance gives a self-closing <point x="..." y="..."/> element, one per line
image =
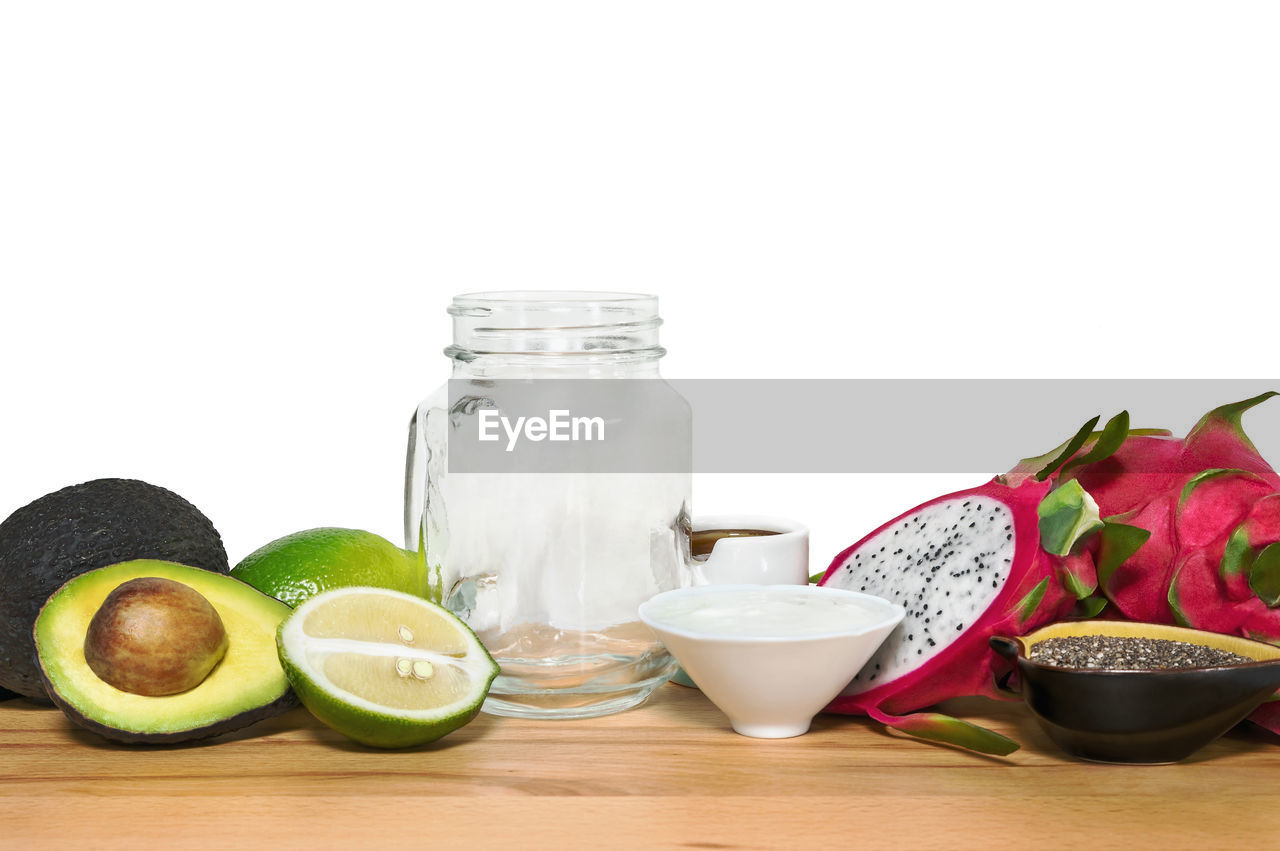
<point x="228" y="231"/>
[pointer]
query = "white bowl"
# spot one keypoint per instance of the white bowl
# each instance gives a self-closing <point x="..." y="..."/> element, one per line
<point x="770" y="678"/>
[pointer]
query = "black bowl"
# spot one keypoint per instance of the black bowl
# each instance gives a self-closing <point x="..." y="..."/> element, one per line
<point x="1140" y="716"/>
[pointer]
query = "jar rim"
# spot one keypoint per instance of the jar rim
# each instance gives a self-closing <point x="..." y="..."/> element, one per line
<point x="581" y="324"/>
<point x="479" y="303"/>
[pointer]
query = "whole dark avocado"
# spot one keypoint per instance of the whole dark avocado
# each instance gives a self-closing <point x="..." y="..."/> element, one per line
<point x="78" y="529"/>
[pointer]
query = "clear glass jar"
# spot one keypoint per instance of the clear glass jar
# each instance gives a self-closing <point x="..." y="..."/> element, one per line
<point x="549" y="567"/>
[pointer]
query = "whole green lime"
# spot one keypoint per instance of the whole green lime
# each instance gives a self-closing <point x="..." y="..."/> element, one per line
<point x="297" y="567"/>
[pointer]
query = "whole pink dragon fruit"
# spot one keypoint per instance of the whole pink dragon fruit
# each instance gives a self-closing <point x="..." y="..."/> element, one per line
<point x="965" y="566"/>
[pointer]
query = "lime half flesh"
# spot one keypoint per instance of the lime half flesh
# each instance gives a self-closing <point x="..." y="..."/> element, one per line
<point x="383" y="667"/>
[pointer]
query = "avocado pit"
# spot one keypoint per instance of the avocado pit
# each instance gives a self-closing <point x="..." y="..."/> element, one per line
<point x="154" y="636"/>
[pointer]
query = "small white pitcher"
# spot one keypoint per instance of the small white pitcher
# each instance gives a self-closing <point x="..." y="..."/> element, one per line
<point x="778" y="559"/>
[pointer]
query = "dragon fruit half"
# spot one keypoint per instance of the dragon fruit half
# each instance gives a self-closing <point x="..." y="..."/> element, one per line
<point x="965" y="566"/>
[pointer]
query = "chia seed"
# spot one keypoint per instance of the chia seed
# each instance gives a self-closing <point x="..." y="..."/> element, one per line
<point x="1114" y="653"/>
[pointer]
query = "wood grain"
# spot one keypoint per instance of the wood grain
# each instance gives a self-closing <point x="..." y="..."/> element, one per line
<point x="670" y="774"/>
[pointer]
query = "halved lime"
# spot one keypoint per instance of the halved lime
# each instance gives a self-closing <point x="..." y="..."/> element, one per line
<point x="385" y="668"/>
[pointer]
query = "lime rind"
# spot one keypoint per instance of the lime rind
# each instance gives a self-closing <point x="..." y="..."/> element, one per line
<point x="299" y="566"/>
<point x="357" y="717"/>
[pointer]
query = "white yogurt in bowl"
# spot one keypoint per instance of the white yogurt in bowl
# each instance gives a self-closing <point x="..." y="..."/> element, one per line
<point x="767" y="611"/>
<point x="770" y="656"/>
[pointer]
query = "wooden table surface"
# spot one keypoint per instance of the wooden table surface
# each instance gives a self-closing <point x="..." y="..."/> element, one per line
<point x="668" y="774"/>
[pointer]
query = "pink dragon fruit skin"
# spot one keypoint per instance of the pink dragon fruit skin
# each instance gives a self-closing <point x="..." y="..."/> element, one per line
<point x="1136" y="588"/>
<point x="1032" y="594"/>
<point x="1190" y="494"/>
<point x="1258" y="531"/>
<point x="1140" y="469"/>
<point x="1196" y="515"/>
<point x="1206" y="593"/>
<point x="1197" y="588"/>
<point x="1219" y="441"/>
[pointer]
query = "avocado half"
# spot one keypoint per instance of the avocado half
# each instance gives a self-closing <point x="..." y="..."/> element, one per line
<point x="247" y="686"/>
<point x="79" y="528"/>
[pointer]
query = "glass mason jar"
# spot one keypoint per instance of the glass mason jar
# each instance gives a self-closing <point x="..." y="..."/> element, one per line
<point x="548" y="560"/>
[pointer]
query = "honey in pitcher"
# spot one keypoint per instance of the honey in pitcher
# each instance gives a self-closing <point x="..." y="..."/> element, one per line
<point x="703" y="540"/>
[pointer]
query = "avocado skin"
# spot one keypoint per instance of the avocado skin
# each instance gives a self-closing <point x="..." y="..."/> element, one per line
<point x="281" y="705"/>
<point x="5" y="694"/>
<point x="78" y="529"/>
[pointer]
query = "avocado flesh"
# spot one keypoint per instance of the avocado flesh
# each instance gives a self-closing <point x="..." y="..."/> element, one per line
<point x="248" y="685"/>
